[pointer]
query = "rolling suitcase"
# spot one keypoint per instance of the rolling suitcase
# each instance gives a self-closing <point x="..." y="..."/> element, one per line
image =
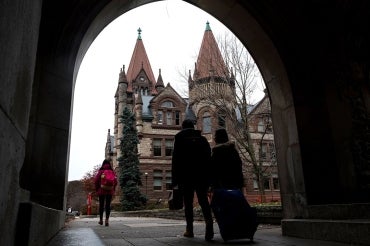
<point x="236" y="219"/>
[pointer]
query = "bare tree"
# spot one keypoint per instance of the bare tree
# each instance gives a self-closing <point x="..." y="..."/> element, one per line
<point x="230" y="96"/>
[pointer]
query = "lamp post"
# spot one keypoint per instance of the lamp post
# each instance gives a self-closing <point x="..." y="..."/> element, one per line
<point x="146" y="184"/>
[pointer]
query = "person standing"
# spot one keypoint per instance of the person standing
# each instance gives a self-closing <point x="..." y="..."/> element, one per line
<point x="190" y="173"/>
<point x="235" y="217"/>
<point x="105" y="186"/>
<point x="226" y="163"/>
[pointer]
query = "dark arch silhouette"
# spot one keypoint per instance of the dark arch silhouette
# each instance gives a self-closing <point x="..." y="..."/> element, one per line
<point x="313" y="57"/>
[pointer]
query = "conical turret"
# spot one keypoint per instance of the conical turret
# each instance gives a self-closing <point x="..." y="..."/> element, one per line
<point x="159" y="86"/>
<point x="140" y="76"/>
<point x="211" y="79"/>
<point x="122" y="75"/>
<point x="210" y="62"/>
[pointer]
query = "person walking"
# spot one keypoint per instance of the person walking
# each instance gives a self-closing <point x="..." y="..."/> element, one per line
<point x="105" y="186"/>
<point x="190" y="173"/>
<point x="226" y="163"/>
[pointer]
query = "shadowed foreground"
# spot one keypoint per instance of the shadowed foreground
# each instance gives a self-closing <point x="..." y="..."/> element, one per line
<point x="125" y="231"/>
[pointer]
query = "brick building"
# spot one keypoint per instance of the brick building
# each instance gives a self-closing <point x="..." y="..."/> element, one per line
<point x="160" y="110"/>
<point x="260" y="127"/>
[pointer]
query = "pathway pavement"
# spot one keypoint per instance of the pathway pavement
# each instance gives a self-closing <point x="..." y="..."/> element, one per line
<point x="144" y="231"/>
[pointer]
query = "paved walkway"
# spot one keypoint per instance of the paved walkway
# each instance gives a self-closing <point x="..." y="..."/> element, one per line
<point x="142" y="231"/>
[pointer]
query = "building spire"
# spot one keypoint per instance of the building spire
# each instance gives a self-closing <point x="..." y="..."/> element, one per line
<point x="139" y="68"/>
<point x="160" y="85"/>
<point x="108" y="147"/>
<point x="122" y="75"/>
<point x="208" y="27"/>
<point x="210" y="62"/>
<point x="139" y="33"/>
<point x="108" y="137"/>
<point x="190" y="81"/>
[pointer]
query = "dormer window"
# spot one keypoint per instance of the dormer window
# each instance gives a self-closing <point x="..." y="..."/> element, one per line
<point x="168" y="114"/>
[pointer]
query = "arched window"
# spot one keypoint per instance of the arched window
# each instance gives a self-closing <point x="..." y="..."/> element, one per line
<point x="206" y="122"/>
<point x="167" y="104"/>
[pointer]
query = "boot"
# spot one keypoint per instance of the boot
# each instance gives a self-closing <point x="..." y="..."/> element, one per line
<point x="189" y="231"/>
<point x="100" y="221"/>
<point x="107" y="222"/>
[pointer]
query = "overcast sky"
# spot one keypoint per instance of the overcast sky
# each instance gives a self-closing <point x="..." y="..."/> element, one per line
<point x="172" y="32"/>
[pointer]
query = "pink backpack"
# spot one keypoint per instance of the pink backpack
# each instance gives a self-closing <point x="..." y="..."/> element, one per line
<point x="107" y="179"/>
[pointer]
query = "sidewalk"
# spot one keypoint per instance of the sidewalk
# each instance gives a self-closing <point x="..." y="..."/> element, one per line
<point x="143" y="231"/>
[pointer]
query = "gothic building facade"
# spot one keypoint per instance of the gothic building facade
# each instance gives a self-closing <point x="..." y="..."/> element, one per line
<point x="159" y="111"/>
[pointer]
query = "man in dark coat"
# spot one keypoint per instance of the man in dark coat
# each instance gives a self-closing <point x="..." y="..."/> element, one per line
<point x="191" y="173"/>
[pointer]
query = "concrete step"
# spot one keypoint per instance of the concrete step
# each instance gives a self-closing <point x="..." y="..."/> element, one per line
<point x="354" y="231"/>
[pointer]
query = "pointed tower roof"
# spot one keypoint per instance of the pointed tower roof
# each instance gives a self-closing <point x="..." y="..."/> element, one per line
<point x="108" y="145"/>
<point x="122" y="75"/>
<point x="210" y="61"/>
<point x="190" y="80"/>
<point x="159" y="81"/>
<point x="108" y="137"/>
<point x="139" y="61"/>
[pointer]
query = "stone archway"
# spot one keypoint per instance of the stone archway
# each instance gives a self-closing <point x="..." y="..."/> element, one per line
<point x="274" y="73"/>
<point x="316" y="71"/>
<point x="56" y="70"/>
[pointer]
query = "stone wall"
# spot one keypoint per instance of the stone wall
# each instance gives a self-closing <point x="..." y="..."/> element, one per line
<point x="265" y="214"/>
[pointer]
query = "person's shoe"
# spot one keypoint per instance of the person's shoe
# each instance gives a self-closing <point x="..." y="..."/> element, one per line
<point x="100" y="222"/>
<point x="188" y="234"/>
<point x="209" y="232"/>
<point x="106" y="222"/>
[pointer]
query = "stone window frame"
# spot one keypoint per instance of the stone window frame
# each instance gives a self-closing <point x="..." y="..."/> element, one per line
<point x="175" y="113"/>
<point x="157" y="177"/>
<point x="168" y="179"/>
<point x="163" y="147"/>
<point x="200" y="124"/>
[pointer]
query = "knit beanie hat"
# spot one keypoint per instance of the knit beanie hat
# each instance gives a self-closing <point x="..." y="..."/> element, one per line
<point x="221" y="136"/>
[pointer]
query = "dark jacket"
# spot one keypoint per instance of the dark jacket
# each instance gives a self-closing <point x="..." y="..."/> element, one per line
<point x="190" y="158"/>
<point x="226" y="167"/>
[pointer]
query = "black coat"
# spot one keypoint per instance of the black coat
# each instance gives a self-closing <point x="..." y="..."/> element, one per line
<point x="190" y="158"/>
<point x="226" y="167"/>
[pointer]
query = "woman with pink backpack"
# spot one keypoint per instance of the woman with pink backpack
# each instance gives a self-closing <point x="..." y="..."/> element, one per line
<point x="105" y="186"/>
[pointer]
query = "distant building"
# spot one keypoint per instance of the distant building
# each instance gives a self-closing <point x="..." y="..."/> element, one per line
<point x="160" y="110"/>
<point x="76" y="196"/>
